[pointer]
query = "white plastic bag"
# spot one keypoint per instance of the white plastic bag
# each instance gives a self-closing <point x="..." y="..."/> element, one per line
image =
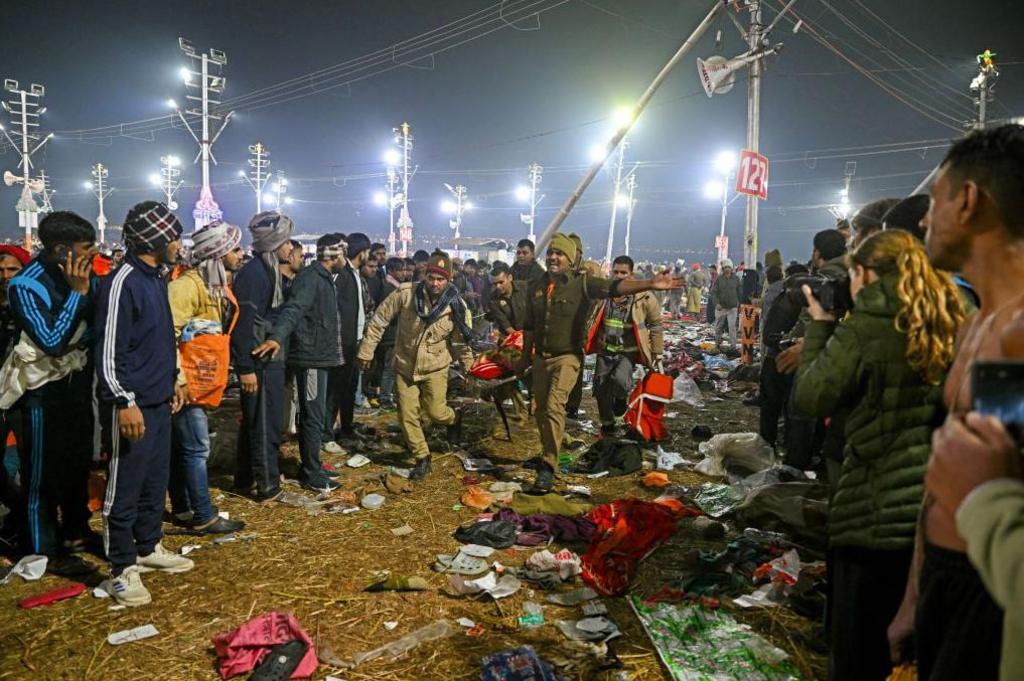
<point x="746" y="452"/>
<point x="685" y="390"/>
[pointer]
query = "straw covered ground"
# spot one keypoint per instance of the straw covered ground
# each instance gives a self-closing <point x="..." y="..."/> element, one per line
<point x="317" y="566"/>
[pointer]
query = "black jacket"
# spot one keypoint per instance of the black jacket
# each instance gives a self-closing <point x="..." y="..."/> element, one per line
<point x="348" y="303"/>
<point x="528" y="273"/>
<point x="511" y="311"/>
<point x="254" y="289"/>
<point x="310" y="319"/>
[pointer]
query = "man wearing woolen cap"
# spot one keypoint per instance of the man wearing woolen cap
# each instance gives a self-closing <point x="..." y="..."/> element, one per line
<point x="137" y="370"/>
<point x="429" y="313"/>
<point x="555" y="327"/>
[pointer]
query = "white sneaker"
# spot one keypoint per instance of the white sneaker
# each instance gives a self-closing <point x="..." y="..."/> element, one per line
<point x="163" y="560"/>
<point x="332" y="447"/>
<point x="127" y="588"/>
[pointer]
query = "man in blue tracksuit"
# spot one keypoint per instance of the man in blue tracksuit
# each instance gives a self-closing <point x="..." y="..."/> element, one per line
<point x="50" y="302"/>
<point x="137" y="371"/>
<point x="260" y="294"/>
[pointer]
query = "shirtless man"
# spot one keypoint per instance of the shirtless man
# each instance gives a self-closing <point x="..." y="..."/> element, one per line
<point x="975" y="225"/>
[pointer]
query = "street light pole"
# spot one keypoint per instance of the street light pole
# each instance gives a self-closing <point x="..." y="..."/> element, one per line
<point x="754" y="37"/>
<point x="984" y="85"/>
<point x="259" y="174"/>
<point x="206" y="209"/>
<point x="404" y="139"/>
<point x="615" y="202"/>
<point x="631" y="186"/>
<point x="101" y="191"/>
<point x="280" y="187"/>
<point x="460" y="193"/>
<point x="536" y="173"/>
<point x="25" y="112"/>
<point x="392" y="204"/>
<point x="169" y="181"/>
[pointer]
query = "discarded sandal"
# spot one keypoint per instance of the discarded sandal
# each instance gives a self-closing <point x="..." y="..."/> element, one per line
<point x="460" y="564"/>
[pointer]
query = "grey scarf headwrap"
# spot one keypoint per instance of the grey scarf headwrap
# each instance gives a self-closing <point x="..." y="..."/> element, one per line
<point x="209" y="245"/>
<point x="270" y="230"/>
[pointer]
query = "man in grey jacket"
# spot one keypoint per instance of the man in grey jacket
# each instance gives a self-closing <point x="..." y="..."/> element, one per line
<point x="310" y="319"/>
<point x="726" y="293"/>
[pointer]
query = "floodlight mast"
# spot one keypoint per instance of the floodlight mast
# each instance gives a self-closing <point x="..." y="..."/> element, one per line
<point x="202" y="65"/>
<point x="24" y="109"/>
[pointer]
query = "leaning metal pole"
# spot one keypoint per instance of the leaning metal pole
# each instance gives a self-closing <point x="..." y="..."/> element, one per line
<point x="621" y="133"/>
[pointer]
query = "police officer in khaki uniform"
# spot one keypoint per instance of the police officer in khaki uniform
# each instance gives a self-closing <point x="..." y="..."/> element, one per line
<point x="555" y="327"/>
<point x="429" y="313"/>
<point x="507" y="311"/>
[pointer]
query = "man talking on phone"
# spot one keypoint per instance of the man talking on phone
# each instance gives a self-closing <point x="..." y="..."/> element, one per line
<point x="50" y="302"/>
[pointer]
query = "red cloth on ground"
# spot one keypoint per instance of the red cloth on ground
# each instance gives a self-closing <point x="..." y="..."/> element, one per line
<point x="627" y="530"/>
<point x="242" y="649"/>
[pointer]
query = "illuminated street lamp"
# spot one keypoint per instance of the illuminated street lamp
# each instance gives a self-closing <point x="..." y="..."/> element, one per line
<point x="718" y="189"/>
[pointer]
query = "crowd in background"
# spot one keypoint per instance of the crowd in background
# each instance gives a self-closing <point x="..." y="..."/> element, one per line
<point x="870" y="352"/>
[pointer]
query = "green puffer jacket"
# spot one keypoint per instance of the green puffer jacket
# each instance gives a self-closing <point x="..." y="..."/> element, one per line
<point x="859" y="366"/>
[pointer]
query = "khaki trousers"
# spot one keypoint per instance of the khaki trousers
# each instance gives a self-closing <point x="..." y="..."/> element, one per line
<point x="553" y="380"/>
<point x="423" y="400"/>
<point x="693" y="300"/>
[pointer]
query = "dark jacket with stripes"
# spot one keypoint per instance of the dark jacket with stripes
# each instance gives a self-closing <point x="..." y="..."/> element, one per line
<point x="136" y="355"/>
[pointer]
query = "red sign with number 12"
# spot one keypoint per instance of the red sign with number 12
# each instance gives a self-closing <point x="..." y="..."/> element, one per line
<point x="752" y="177"/>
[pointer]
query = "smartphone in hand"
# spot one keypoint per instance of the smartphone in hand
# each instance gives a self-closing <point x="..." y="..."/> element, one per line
<point x="997" y="389"/>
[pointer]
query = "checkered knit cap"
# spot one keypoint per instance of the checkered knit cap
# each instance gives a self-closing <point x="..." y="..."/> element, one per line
<point x="150" y="226"/>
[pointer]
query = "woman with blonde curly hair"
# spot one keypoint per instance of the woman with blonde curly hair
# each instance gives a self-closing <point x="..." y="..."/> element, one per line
<point x="883" y="365"/>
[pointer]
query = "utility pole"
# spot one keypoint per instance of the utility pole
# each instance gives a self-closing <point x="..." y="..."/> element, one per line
<point x="631" y="186"/>
<point x="259" y="173"/>
<point x="615" y="202"/>
<point x="984" y="85"/>
<point x="754" y="42"/>
<point x="168" y="180"/>
<point x="536" y="174"/>
<point x="100" y="190"/>
<point x="392" y="185"/>
<point x="460" y="193"/>
<point x="203" y="67"/>
<point x="404" y="139"/>
<point x="47" y="192"/>
<point x="279" y="188"/>
<point x="23" y="107"/>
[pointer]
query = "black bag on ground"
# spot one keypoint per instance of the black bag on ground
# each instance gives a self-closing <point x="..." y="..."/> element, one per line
<point x="498" y="534"/>
<point x="618" y="457"/>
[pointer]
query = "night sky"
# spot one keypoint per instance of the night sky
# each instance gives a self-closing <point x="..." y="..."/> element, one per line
<point x="482" y="111"/>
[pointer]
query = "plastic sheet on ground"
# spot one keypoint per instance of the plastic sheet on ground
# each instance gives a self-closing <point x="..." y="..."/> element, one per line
<point x="787" y="506"/>
<point x="432" y="632"/>
<point x="717" y="499"/>
<point x="735" y="453"/>
<point x="698" y="644"/>
<point x="598" y="628"/>
<point x="29" y="568"/>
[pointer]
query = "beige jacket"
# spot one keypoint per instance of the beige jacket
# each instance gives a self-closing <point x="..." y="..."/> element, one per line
<point x="419" y="349"/>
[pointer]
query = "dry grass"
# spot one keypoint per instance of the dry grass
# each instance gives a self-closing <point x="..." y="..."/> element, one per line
<point x="317" y="568"/>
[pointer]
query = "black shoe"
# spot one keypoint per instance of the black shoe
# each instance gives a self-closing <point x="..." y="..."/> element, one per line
<point x="326" y="485"/>
<point x="280" y="662"/>
<point x="269" y="496"/>
<point x="87" y="542"/>
<point x="608" y="431"/>
<point x="754" y="401"/>
<point x="219" y="526"/>
<point x="421" y="469"/>
<point x="70" y="566"/>
<point x="331" y="473"/>
<point x="544" y="482"/>
<point x="453" y="433"/>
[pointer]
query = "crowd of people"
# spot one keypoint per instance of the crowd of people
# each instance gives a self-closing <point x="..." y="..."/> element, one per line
<point x="869" y="356"/>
